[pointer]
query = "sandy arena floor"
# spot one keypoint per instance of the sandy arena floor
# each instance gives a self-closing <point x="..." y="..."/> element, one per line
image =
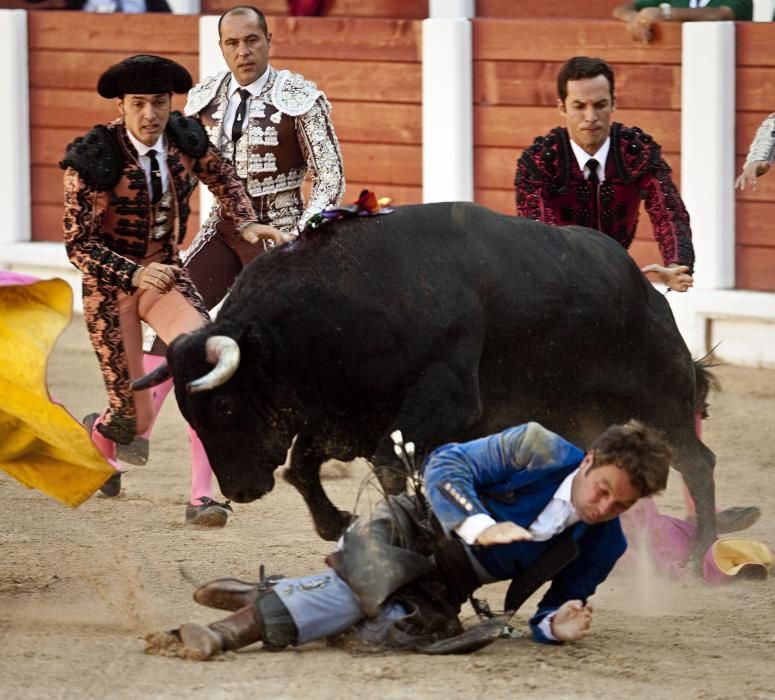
<point x="79" y="589"/>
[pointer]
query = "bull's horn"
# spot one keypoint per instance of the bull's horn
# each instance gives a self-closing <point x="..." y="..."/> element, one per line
<point x="153" y="378"/>
<point x="223" y="352"/>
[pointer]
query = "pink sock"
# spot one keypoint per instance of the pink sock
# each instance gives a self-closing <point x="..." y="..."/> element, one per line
<point x="104" y="445"/>
<point x="158" y="393"/>
<point x="201" y="472"/>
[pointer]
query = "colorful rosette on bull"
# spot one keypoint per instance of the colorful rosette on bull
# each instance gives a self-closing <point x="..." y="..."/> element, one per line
<point x="367" y="204"/>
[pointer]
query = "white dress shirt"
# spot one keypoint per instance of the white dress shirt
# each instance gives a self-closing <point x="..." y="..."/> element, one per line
<point x="558" y="515"/>
<point x="145" y="162"/>
<point x="582" y="158"/>
<point x="234" y="98"/>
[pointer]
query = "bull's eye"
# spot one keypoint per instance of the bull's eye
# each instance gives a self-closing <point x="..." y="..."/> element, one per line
<point x="224" y="408"/>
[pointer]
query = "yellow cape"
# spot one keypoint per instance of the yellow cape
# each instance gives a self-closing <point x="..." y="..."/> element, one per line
<point x="41" y="444"/>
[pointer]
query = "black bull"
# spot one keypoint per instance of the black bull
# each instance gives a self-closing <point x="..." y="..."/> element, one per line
<point x="448" y="321"/>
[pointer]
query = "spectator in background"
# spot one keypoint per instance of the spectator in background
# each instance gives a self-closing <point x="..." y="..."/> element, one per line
<point x="641" y="15"/>
<point x="310" y="8"/>
<point x="595" y="172"/>
<point x="760" y="155"/>
<point x="125" y="6"/>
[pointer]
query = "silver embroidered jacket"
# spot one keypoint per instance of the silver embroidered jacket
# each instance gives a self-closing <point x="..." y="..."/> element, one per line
<point x="288" y="132"/>
<point x="763" y="143"/>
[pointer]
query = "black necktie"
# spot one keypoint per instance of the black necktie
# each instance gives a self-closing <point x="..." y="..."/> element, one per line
<point x="594" y="180"/>
<point x="155" y="177"/>
<point x="594" y="183"/>
<point x="239" y="117"/>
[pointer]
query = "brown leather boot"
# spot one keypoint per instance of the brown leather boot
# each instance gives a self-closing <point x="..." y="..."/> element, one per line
<point x="233" y="632"/>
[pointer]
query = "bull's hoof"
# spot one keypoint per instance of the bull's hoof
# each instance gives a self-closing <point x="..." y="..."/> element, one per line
<point x="733" y="519"/>
<point x="331" y="530"/>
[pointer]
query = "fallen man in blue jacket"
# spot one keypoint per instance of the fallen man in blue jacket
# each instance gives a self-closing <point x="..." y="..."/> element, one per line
<point x="523" y="505"/>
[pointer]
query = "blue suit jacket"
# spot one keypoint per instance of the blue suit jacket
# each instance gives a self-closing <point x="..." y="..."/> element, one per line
<point x="512" y="476"/>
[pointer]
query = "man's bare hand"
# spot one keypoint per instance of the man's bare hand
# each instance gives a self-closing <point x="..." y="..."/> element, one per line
<point x="751" y="173"/>
<point x="503" y="533"/>
<point x="572" y="621"/>
<point x="156" y="276"/>
<point x="639" y="27"/>
<point x="253" y="233"/>
<point x="676" y="277"/>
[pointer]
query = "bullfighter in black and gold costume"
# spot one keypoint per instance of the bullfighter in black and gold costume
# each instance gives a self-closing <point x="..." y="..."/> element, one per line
<point x="125" y="215"/>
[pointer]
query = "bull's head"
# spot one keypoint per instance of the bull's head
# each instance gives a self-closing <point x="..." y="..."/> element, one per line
<point x="225" y="396"/>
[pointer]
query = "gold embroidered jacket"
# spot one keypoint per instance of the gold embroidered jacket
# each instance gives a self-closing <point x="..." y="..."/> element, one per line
<point x="110" y="226"/>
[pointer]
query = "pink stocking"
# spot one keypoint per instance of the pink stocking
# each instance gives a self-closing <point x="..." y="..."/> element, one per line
<point x="105" y="446"/>
<point x="158" y="393"/>
<point x="201" y="472"/>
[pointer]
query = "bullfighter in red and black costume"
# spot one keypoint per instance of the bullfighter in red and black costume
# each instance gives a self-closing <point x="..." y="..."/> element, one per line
<point x="594" y="172"/>
<point x="125" y="216"/>
<point x="551" y="188"/>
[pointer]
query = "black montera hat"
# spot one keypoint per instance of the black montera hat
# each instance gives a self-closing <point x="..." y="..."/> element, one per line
<point x="144" y="75"/>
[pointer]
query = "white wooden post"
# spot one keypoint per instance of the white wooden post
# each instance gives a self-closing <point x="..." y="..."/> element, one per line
<point x="447" y="108"/>
<point x="15" y="200"/>
<point x="708" y="148"/>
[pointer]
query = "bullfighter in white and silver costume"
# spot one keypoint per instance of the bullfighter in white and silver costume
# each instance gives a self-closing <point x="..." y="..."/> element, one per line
<point x="275" y="127"/>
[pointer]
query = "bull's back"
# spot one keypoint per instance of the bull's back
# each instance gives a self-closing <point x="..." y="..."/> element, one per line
<point x="413" y="281"/>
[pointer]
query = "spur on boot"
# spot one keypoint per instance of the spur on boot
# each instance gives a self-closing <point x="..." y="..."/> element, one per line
<point x="231" y="593"/>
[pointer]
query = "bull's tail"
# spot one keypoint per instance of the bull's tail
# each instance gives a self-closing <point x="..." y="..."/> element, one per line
<point x="705" y="382"/>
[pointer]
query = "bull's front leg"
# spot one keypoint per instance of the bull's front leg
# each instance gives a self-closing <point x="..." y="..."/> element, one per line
<point x="437" y="409"/>
<point x="696" y="464"/>
<point x="303" y="474"/>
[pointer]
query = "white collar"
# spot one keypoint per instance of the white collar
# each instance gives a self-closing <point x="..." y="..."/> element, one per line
<point x="563" y="493"/>
<point x="142" y="149"/>
<point x="254" y="88"/>
<point x="582" y="157"/>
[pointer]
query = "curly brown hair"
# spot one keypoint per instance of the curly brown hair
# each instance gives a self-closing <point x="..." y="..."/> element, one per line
<point x="638" y="449"/>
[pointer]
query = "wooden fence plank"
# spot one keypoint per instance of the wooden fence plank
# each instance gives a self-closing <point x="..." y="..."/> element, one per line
<point x="754" y="224"/>
<point x="754" y="268"/>
<point x="518" y="126"/>
<point x="384" y="123"/>
<point x="592" y="9"/>
<point x="145" y="33"/>
<point x="555" y="40"/>
<point x="754" y="88"/>
<point x="753" y="44"/>
<point x="392" y="164"/>
<point x="79" y="69"/>
<point x="535" y="83"/>
<point x="346" y="38"/>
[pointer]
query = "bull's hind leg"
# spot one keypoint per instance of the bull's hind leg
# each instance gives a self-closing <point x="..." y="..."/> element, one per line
<point x="696" y="463"/>
<point x="304" y="474"/>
